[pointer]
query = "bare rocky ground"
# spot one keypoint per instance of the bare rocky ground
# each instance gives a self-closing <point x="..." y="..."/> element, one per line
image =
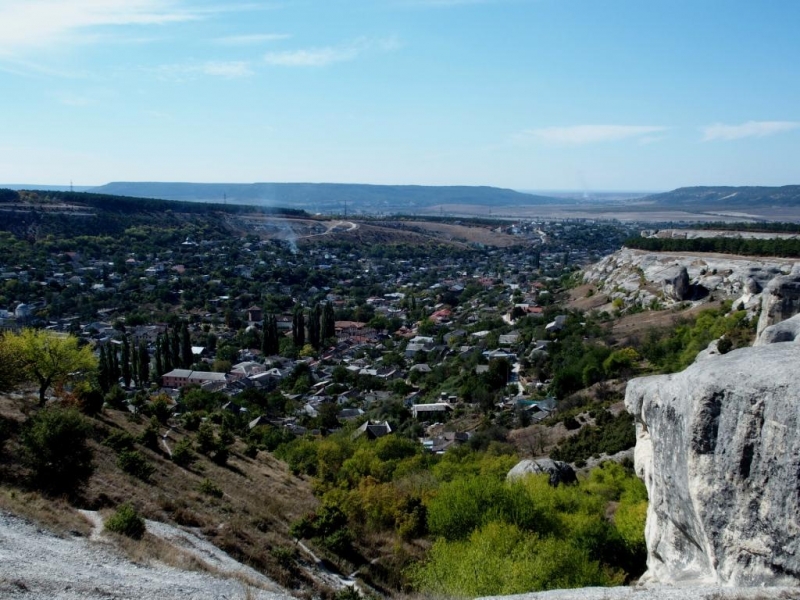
<point x="660" y="593"/>
<point x="38" y="565"/>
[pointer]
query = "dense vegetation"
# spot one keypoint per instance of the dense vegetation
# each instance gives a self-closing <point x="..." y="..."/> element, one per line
<point x="727" y="245"/>
<point x="488" y="533"/>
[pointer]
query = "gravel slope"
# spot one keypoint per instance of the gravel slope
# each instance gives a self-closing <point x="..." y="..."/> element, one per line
<point x="38" y="565"/>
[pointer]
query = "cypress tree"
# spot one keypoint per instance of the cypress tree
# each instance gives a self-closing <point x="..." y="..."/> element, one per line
<point x="175" y="350"/>
<point x="115" y="370"/>
<point x="314" y="327"/>
<point x="126" y="361"/>
<point x="103" y="374"/>
<point x="298" y="327"/>
<point x="159" y="358"/>
<point x="328" y="324"/>
<point x="187" y="358"/>
<point x="166" y="353"/>
<point x="135" y="364"/>
<point x="143" y="359"/>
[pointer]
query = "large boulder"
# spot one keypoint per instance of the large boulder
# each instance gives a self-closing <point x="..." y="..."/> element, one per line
<point x="719" y="450"/>
<point x="780" y="299"/>
<point x="785" y="331"/>
<point x="675" y="283"/>
<point x="559" y="472"/>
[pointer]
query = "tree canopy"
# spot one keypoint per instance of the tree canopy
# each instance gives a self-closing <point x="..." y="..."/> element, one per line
<point x="47" y="358"/>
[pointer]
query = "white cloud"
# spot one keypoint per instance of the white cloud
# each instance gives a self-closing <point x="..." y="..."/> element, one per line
<point x="35" y="24"/>
<point x="191" y="71"/>
<point x="720" y="131"/>
<point x="442" y="3"/>
<point x="228" y="70"/>
<point x="327" y="55"/>
<point x="251" y="40"/>
<point x="593" y="134"/>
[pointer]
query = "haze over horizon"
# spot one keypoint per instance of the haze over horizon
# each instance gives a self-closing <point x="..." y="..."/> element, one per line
<point x="522" y="94"/>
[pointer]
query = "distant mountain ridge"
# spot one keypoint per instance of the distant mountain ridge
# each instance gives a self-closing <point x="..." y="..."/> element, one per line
<point x="717" y="197"/>
<point x="329" y="197"/>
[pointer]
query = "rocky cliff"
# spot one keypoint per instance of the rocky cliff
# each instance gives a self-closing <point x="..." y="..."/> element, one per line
<point x="719" y="450"/>
<point x="769" y="287"/>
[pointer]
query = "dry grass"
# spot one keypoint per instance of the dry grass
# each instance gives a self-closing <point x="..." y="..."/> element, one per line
<point x="55" y="515"/>
<point x="260" y="499"/>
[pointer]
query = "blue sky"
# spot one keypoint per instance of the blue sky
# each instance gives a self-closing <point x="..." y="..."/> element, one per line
<point x="527" y="94"/>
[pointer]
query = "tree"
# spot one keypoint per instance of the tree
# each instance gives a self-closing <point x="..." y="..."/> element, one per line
<point x="187" y="358"/>
<point x="270" y="343"/>
<point x="49" y="358"/>
<point x="10" y="368"/>
<point x="298" y="327"/>
<point x="328" y="322"/>
<point x="143" y="359"/>
<point x="54" y="442"/>
<point x="314" y="333"/>
<point x="126" y="361"/>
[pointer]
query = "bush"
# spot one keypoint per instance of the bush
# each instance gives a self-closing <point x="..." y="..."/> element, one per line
<point x="210" y="488"/>
<point x="134" y="463"/>
<point x="54" y="446"/>
<point x="182" y="454"/>
<point x="119" y="440"/>
<point x="149" y="437"/>
<point x="126" y="521"/>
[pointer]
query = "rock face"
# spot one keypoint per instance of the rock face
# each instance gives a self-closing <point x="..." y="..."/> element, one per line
<point x="780" y="300"/>
<point x="647" y="278"/>
<point x="559" y="472"/>
<point x="785" y="331"/>
<point x="719" y="450"/>
<point x="675" y="283"/>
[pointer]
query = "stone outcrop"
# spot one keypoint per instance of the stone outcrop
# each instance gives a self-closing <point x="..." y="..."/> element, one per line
<point x="780" y="299"/>
<point x="785" y="331"/>
<point x="559" y="472"/>
<point x="719" y="450"/>
<point x="645" y="278"/>
<point x="675" y="283"/>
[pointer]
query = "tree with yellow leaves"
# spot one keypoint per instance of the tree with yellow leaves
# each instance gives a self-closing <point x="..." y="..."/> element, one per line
<point x="47" y="358"/>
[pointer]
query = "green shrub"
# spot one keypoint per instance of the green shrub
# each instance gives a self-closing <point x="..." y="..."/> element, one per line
<point x="191" y="421"/>
<point x="205" y="439"/>
<point x="182" y="454"/>
<point x="149" y="437"/>
<point x="126" y="521"/>
<point x="120" y="440"/>
<point x="134" y="463"/>
<point x="501" y="559"/>
<point x="210" y="488"/>
<point x="55" y="448"/>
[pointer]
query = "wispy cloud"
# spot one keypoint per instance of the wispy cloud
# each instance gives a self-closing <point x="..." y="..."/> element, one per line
<point x="181" y="73"/>
<point x="720" y="131"/>
<point x="443" y="3"/>
<point x="227" y="69"/>
<point x="73" y="99"/>
<point x="251" y="40"/>
<point x="34" y="24"/>
<point x="594" y="134"/>
<point x="327" y="55"/>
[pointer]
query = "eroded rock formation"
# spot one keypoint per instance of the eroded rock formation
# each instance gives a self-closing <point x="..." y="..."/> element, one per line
<point x="719" y="450"/>
<point x="559" y="472"/>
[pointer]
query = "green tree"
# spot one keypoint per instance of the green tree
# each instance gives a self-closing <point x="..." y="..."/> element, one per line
<point x="143" y="359"/>
<point x="314" y="333"/>
<point x="47" y="358"/>
<point x="328" y="322"/>
<point x="126" y="361"/>
<point x="55" y="448"/>
<point x="298" y="327"/>
<point x="187" y="358"/>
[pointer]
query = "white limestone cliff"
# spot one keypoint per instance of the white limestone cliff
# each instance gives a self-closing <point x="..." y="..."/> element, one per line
<point x="719" y="450"/>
